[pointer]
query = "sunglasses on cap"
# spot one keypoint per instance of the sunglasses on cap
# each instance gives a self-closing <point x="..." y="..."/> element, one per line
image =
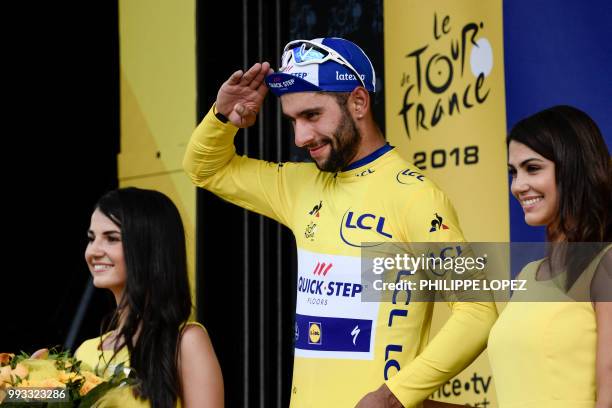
<point x="306" y="52"/>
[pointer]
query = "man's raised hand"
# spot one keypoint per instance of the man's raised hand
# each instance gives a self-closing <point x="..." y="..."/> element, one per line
<point x="241" y="96"/>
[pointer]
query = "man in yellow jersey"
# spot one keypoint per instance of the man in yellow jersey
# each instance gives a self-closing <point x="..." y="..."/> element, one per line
<point x="348" y="352"/>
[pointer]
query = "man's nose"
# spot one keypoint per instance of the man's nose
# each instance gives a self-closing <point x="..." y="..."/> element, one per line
<point x="303" y="134"/>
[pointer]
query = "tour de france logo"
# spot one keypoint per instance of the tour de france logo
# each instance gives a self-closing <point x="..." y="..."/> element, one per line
<point x="453" y="67"/>
<point x="311" y="228"/>
<point x="315" y="336"/>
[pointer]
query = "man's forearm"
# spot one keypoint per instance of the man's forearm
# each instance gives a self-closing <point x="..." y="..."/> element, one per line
<point x="462" y="338"/>
<point x="210" y="148"/>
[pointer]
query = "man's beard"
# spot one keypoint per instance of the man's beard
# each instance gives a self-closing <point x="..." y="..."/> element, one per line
<point x="343" y="145"/>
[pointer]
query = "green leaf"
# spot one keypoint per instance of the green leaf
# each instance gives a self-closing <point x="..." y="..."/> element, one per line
<point x="119" y="371"/>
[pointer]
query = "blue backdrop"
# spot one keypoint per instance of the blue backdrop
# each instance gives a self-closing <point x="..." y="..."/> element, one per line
<point x="556" y="52"/>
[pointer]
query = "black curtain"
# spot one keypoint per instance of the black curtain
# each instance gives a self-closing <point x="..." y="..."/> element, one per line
<point x="61" y="142"/>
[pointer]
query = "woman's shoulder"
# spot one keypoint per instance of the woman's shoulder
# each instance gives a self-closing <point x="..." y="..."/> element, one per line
<point x="194" y="341"/>
<point x="529" y="271"/>
<point x="599" y="276"/>
<point x="199" y="368"/>
<point x="193" y="336"/>
<point x="90" y="345"/>
<point x="190" y="325"/>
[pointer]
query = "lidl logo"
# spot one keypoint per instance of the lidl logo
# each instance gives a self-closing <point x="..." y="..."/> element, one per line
<point x="437" y="224"/>
<point x="315" y="336"/>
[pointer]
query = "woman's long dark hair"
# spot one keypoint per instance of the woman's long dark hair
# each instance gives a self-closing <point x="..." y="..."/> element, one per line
<point x="583" y="173"/>
<point x="156" y="300"/>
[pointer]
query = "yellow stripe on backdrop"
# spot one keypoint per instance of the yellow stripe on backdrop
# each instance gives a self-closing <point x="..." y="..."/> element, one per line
<point x="158" y="102"/>
<point x="445" y="111"/>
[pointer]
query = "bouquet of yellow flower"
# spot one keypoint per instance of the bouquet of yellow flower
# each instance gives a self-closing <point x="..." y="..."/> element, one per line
<point x="53" y="379"/>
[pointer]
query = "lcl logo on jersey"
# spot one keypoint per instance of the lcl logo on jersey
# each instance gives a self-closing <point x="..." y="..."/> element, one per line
<point x="315" y="334"/>
<point x="409" y="176"/>
<point x="365" y="173"/>
<point x="437" y="224"/>
<point x="365" y="221"/>
<point x="447" y="252"/>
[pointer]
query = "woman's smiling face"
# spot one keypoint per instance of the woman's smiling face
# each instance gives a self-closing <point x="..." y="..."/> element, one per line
<point x="104" y="253"/>
<point x="533" y="184"/>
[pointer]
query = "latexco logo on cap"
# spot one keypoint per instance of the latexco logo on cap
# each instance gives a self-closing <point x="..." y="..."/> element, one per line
<point x="322" y="64"/>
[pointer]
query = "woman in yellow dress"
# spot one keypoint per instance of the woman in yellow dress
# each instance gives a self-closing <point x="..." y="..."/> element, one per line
<point x="137" y="251"/>
<point x="558" y="353"/>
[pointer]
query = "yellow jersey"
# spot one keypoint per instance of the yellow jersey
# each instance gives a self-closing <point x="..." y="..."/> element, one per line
<point x="346" y="347"/>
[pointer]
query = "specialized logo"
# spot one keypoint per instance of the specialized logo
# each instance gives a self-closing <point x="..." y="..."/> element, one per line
<point x="409" y="176"/>
<point x="355" y="333"/>
<point x="365" y="173"/>
<point x="297" y="332"/>
<point x="437" y="224"/>
<point x="315" y="335"/>
<point x="315" y="210"/>
<point x="322" y="268"/>
<point x="366" y="221"/>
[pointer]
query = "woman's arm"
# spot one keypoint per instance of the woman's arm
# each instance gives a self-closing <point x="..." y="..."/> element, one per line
<point x="199" y="370"/>
<point x="602" y="287"/>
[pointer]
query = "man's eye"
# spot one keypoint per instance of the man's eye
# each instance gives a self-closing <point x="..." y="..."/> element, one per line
<point x="312" y="115"/>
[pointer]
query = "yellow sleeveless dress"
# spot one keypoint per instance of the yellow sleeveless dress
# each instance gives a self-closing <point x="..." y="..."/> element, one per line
<point x="542" y="354"/>
<point x="99" y="362"/>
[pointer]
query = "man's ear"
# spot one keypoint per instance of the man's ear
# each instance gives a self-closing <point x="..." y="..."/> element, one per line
<point x="359" y="102"/>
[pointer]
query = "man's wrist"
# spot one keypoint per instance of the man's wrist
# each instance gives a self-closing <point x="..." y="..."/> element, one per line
<point x="390" y="399"/>
<point x="222" y="118"/>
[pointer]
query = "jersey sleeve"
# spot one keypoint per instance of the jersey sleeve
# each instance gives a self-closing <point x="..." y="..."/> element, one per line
<point x="263" y="187"/>
<point x="431" y="218"/>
